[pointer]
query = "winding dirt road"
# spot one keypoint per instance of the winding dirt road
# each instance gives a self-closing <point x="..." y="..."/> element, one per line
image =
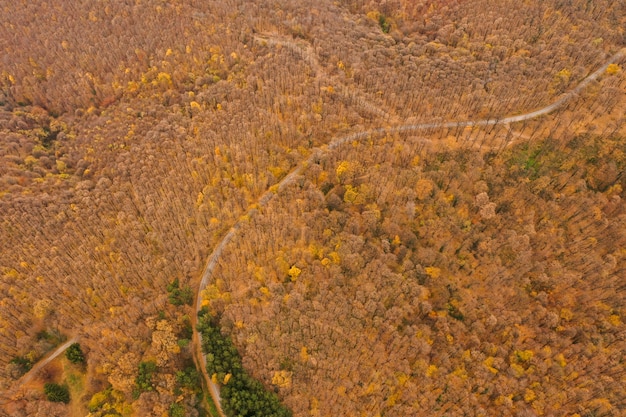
<point x="305" y="50"/>
<point x="36" y="368"/>
<point x="335" y="143"/>
<point x="199" y="358"/>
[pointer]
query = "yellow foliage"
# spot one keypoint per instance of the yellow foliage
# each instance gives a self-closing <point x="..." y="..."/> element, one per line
<point x="529" y="395"/>
<point x="566" y="314"/>
<point x="350" y="195"/>
<point x="61" y="166"/>
<point x="564" y="74"/>
<point x="402" y="378"/>
<point x="164" y="79"/>
<point x="278" y="172"/>
<point x="29" y="161"/>
<point x="460" y="372"/>
<point x="227" y="378"/>
<point x="517" y="369"/>
<point x="304" y="355"/>
<point x="195" y="105"/>
<point x="612" y="69"/>
<point x="371" y="388"/>
<point x="98" y="400"/>
<point x="342" y="169"/>
<point x="294" y="272"/>
<point x="318" y="107"/>
<point x="523" y="355"/>
<point x="433" y="272"/>
<point x="200" y="199"/>
<point x="560" y="359"/>
<point x="432" y="370"/>
<point x="373" y="15"/>
<point x="391" y="401"/>
<point x="314" y="403"/>
<point x="489" y="365"/>
<point x="334" y="257"/>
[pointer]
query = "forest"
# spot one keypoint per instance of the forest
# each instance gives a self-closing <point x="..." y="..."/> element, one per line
<point x="376" y="208"/>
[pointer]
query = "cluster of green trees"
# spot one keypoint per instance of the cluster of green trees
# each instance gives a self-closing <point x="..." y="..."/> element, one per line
<point x="75" y="354"/>
<point x="57" y="393"/>
<point x="22" y="364"/>
<point x="143" y="381"/>
<point x="241" y="394"/>
<point x="179" y="296"/>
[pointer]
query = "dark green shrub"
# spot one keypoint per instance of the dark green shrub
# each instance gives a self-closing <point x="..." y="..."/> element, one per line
<point x="75" y="354"/>
<point x="56" y="393"/>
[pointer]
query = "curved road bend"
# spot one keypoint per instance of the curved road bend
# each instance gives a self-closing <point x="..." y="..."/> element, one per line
<point x="268" y="195"/>
<point x="335" y="143"/>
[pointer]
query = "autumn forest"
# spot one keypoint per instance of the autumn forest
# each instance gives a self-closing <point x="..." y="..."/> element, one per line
<point x="291" y="208"/>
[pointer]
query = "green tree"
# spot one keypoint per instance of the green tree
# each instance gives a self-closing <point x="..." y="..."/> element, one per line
<point x="242" y="395"/>
<point x="75" y="354"/>
<point x="384" y="24"/>
<point x="188" y="378"/>
<point x="24" y="364"/>
<point x="143" y="381"/>
<point x="177" y="410"/>
<point x="179" y="296"/>
<point x="56" y="393"/>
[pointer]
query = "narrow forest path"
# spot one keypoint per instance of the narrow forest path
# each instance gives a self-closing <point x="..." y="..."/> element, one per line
<point x="28" y="376"/>
<point x="267" y="196"/>
<point x="305" y="50"/>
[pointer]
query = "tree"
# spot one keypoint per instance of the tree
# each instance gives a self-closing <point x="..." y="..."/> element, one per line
<point x="177" y="410"/>
<point x="57" y="393"/>
<point x="241" y="394"/>
<point x="143" y="381"/>
<point x="179" y="296"/>
<point x="75" y="354"/>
